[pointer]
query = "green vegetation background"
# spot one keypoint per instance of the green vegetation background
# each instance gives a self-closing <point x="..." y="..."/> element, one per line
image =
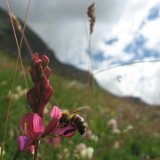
<point x="141" y="141"/>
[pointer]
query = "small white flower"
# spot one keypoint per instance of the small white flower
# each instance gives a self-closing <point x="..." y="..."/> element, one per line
<point x="128" y="128"/>
<point x="113" y="125"/>
<point x="64" y="155"/>
<point x="116" y="131"/>
<point x="90" y="152"/>
<point x="1" y="151"/>
<point x="94" y="138"/>
<point x="84" y="152"/>
<point x="16" y="96"/>
<point x="18" y="88"/>
<point x="22" y="92"/>
<point x="80" y="147"/>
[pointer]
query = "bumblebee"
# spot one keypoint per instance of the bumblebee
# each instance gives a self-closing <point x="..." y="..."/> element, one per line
<point x="74" y="119"/>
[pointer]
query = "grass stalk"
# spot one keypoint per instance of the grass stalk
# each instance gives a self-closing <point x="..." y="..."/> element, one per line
<point x="16" y="67"/>
<point x="36" y="151"/>
<point x="124" y="64"/>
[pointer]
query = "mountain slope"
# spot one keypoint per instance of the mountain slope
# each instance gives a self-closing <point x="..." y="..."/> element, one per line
<point x="7" y="43"/>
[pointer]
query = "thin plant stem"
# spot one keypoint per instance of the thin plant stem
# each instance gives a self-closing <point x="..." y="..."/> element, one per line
<point x="36" y="150"/>
<point x="125" y="64"/>
<point x="28" y="46"/>
<point x="92" y="18"/>
<point x="88" y="37"/>
<point x="14" y="77"/>
<point x="42" y="152"/>
<point x="84" y="22"/>
<point x="90" y="62"/>
<point x="23" y="32"/>
<point x="15" y="36"/>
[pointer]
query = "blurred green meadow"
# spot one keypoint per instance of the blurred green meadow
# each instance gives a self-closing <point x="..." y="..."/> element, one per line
<point x="117" y="128"/>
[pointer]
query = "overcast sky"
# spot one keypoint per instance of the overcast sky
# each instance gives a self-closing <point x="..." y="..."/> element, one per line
<point x="63" y="24"/>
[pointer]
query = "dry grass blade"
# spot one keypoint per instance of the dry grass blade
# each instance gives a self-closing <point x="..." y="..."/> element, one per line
<point x="16" y="39"/>
<point x="92" y="16"/>
<point x="125" y="64"/>
<point x="14" y="23"/>
<point x="21" y="29"/>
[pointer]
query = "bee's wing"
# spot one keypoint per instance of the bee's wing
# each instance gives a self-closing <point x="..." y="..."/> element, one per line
<point x="79" y="110"/>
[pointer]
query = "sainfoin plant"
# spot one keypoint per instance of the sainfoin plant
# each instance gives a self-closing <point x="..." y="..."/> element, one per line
<point x="32" y="123"/>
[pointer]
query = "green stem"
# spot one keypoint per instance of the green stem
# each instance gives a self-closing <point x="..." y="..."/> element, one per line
<point x="36" y="151"/>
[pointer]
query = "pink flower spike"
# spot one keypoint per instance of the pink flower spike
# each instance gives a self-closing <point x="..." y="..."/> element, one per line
<point x="23" y="143"/>
<point x="67" y="131"/>
<point x="56" y="116"/>
<point x="32" y="126"/>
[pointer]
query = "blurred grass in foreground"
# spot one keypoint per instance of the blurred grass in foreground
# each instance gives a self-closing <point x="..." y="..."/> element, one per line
<point x="138" y="130"/>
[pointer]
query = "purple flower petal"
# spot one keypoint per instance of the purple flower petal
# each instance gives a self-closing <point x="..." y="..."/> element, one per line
<point x="56" y="116"/>
<point x="23" y="143"/>
<point x="56" y="113"/>
<point x="67" y="131"/>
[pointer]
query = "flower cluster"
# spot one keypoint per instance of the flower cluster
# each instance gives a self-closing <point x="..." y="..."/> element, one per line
<point x="83" y="152"/>
<point x="40" y="94"/>
<point x="32" y="124"/>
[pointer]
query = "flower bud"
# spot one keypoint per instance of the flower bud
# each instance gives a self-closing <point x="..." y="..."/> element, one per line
<point x="45" y="60"/>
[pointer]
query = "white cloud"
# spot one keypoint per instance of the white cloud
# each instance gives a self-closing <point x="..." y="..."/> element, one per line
<point x="127" y="81"/>
<point x="140" y="80"/>
<point x="61" y="22"/>
<point x="151" y="32"/>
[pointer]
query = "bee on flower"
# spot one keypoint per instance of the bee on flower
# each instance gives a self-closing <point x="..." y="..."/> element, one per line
<point x="32" y="124"/>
